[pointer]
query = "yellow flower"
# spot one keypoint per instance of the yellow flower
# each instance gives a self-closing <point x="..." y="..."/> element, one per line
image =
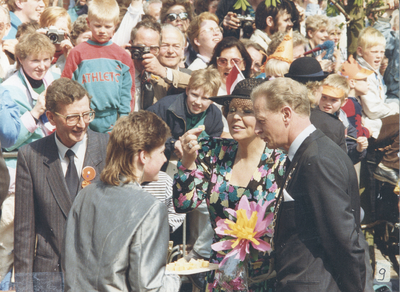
<point x="243" y="228"/>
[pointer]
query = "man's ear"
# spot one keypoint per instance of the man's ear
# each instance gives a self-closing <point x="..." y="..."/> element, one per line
<point x="50" y="117"/>
<point x="269" y="21"/>
<point x="286" y="114"/>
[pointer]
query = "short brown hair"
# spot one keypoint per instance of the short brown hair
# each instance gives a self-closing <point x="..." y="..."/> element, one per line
<point x="64" y="91"/>
<point x="139" y="131"/>
<point x="146" y="24"/>
<point x="281" y="92"/>
<point x="80" y="26"/>
<point x="27" y="27"/>
<point x="208" y="79"/>
<point x="33" y="44"/>
<point x="193" y="30"/>
<point x="50" y="16"/>
<point x="167" y="4"/>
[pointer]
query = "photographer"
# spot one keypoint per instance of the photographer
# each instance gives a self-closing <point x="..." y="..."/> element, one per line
<point x="270" y="20"/>
<point x="55" y="22"/>
<point x="156" y="70"/>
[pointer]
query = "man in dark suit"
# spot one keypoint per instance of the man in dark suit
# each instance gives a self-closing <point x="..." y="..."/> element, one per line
<point x="50" y="172"/>
<point x="318" y="241"/>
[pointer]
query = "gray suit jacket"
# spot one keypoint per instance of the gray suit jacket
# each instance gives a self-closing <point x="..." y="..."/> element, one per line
<point x="116" y="239"/>
<point x="42" y="203"/>
<point x="4" y="179"/>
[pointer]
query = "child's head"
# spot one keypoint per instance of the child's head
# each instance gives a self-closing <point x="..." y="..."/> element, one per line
<point x="356" y="76"/>
<point x="316" y="29"/>
<point x="203" y="84"/>
<point x="335" y="90"/>
<point x="276" y="68"/>
<point x="334" y="29"/>
<point x="103" y="16"/>
<point x="371" y="46"/>
<point x="80" y="30"/>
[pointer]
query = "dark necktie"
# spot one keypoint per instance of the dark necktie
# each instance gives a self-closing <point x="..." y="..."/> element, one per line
<point x="147" y="91"/>
<point x="71" y="177"/>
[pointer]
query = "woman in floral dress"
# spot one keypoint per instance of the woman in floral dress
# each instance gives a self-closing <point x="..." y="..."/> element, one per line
<point x="221" y="171"/>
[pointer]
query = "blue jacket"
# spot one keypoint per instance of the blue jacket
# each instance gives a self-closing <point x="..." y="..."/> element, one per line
<point x="172" y="110"/>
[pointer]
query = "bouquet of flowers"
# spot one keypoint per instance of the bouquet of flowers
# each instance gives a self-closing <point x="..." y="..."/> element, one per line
<point x="242" y="237"/>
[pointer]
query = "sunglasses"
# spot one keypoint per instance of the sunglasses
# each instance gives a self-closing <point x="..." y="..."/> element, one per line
<point x="173" y="16"/>
<point x="223" y="62"/>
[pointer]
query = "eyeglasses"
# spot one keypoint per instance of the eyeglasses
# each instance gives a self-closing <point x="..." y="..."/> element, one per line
<point x="73" y="120"/>
<point x="217" y="29"/>
<point x="223" y="62"/>
<point x="173" y="16"/>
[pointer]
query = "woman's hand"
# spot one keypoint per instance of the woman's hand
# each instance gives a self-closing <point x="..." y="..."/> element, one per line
<point x="66" y="47"/>
<point x="190" y="146"/>
<point x="40" y="106"/>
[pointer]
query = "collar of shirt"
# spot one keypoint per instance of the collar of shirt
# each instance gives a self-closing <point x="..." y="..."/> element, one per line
<point x="203" y="58"/>
<point x="79" y="149"/>
<point x="299" y="140"/>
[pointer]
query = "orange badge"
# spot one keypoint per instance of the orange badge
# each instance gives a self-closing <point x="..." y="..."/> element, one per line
<point x="88" y="173"/>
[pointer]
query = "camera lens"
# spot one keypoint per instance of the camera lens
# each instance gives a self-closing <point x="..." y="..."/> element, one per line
<point x="53" y="37"/>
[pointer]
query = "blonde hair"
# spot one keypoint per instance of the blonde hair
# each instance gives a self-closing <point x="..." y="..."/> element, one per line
<point x="193" y="30"/>
<point x="298" y="39"/>
<point x="276" y="68"/>
<point x="281" y="92"/>
<point x="208" y="79"/>
<point x="338" y="81"/>
<point x="33" y="44"/>
<point x="51" y="14"/>
<point x="107" y="10"/>
<point x="334" y="24"/>
<point x="139" y="131"/>
<point x="6" y="13"/>
<point x="315" y="23"/>
<point x="312" y="87"/>
<point x="370" y="37"/>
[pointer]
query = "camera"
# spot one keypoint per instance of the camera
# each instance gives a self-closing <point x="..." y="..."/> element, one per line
<point x="55" y="35"/>
<point x="246" y="23"/>
<point x="138" y="51"/>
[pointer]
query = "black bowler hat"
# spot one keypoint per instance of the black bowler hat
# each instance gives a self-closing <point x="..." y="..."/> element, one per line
<point x="242" y="90"/>
<point x="306" y="69"/>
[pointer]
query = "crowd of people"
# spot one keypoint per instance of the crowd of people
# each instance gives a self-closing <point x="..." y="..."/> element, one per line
<point x="119" y="121"/>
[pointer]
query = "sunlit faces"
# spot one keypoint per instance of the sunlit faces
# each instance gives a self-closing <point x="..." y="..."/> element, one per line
<point x="36" y="66"/>
<point x="171" y="49"/>
<point x="241" y="119"/>
<point x="62" y="23"/>
<point x="70" y="135"/>
<point x="83" y="37"/>
<point x="197" y="101"/>
<point x="102" y="30"/>
<point x="270" y="126"/>
<point x="153" y="163"/>
<point x="209" y="36"/>
<point x="31" y="10"/>
<point x="361" y="86"/>
<point x="230" y="54"/>
<point x="329" y="104"/>
<point x="335" y="35"/>
<point x="373" y="55"/>
<point x="178" y="22"/>
<point x="318" y="37"/>
<point x="147" y="37"/>
<point x="257" y="58"/>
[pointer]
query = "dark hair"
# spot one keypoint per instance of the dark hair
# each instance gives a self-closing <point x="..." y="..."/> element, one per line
<point x="139" y="131"/>
<point x="146" y="23"/>
<point x="64" y="91"/>
<point x="230" y="42"/>
<point x="167" y="4"/>
<point x="262" y="12"/>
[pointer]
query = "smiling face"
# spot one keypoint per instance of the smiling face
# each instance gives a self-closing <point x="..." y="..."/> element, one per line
<point x="153" y="163"/>
<point x="147" y="37"/>
<point x="70" y="135"/>
<point x="335" y="35"/>
<point x="31" y="10"/>
<point x="229" y="54"/>
<point x="171" y="49"/>
<point x="36" y="66"/>
<point x="196" y="101"/>
<point x="241" y="119"/>
<point x="178" y="22"/>
<point x="102" y="30"/>
<point x="256" y="58"/>
<point x="373" y="55"/>
<point x="209" y="36"/>
<point x="329" y="104"/>
<point x="284" y="22"/>
<point x="318" y="37"/>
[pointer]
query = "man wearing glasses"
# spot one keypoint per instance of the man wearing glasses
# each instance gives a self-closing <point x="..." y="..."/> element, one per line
<point x="150" y="69"/>
<point x="50" y="172"/>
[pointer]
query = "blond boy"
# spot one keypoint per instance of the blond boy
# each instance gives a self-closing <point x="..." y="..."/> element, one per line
<point x="103" y="68"/>
<point x="335" y="91"/>
<point x="381" y="117"/>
